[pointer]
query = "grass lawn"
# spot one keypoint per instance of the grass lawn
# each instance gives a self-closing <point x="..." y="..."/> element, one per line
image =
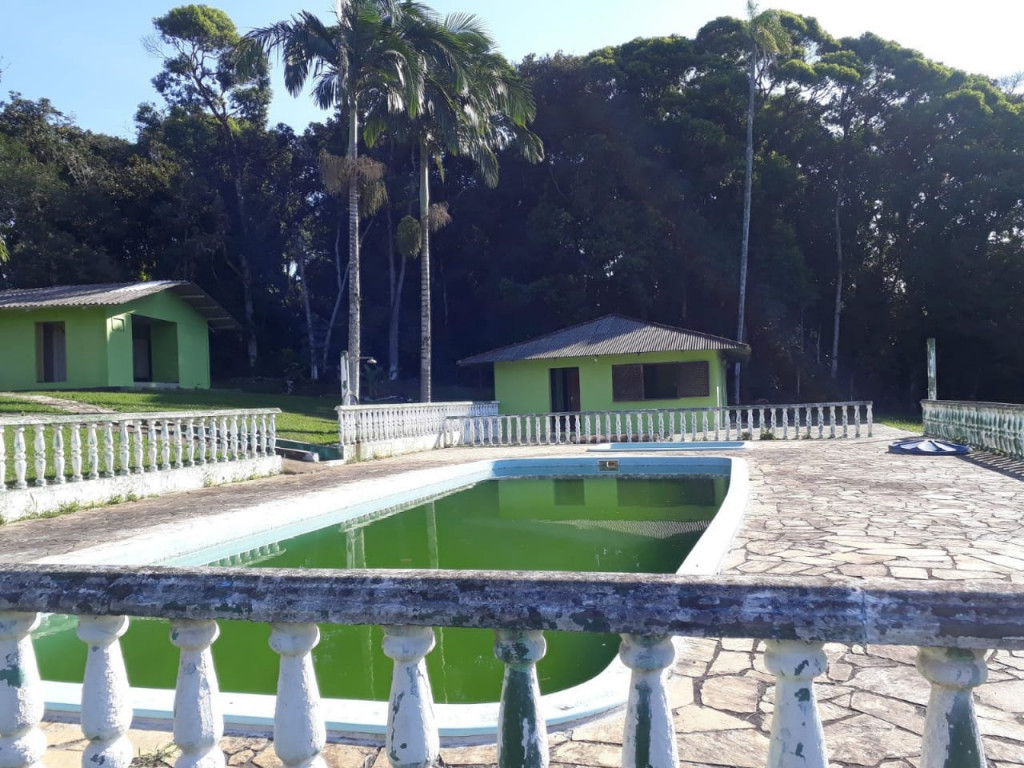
<point x="901" y="422"/>
<point x="10" y="406"/>
<point x="309" y="419"/>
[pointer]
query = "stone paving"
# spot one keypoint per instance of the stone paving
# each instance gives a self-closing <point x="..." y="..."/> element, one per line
<point x="833" y="508"/>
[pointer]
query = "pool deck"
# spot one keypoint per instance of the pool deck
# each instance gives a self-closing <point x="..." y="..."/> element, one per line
<point x="832" y="508"/>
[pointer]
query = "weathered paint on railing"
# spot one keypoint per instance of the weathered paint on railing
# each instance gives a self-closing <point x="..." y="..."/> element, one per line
<point x="996" y="427"/>
<point x="952" y="623"/>
<point x="375" y="423"/>
<point x="128" y="443"/>
<point x="755" y="422"/>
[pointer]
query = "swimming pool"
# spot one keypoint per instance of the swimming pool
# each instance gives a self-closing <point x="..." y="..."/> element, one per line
<point x="188" y="544"/>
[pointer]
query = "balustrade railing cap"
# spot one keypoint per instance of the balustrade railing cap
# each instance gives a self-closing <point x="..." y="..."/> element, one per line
<point x="116" y="418"/>
<point x="887" y="611"/>
<point x="407" y="406"/>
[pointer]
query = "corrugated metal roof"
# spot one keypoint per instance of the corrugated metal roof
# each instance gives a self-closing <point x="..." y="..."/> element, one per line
<point x="115" y="294"/>
<point x="609" y="335"/>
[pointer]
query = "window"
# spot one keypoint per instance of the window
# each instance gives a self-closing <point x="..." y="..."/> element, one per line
<point x="51" y="360"/>
<point x="660" y="381"/>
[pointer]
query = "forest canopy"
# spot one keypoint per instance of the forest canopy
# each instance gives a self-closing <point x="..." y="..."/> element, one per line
<point x="887" y="206"/>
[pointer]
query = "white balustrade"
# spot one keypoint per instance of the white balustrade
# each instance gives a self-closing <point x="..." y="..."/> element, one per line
<point x="22" y="742"/>
<point x="106" y="703"/>
<point x="125" y="444"/>
<point x="845" y="611"/>
<point x="412" y="740"/>
<point x="687" y="424"/>
<point x="996" y="427"/>
<point x="198" y="722"/>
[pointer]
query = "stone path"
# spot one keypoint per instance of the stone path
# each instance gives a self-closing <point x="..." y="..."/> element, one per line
<point x="60" y="403"/>
<point x="830" y="508"/>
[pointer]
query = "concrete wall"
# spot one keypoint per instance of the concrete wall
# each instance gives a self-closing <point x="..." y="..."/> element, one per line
<point x="523" y="386"/>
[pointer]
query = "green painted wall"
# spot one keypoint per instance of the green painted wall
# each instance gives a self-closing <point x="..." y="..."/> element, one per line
<point x="192" y="356"/>
<point x="523" y="386"/>
<point x="99" y="344"/>
<point x="84" y="346"/>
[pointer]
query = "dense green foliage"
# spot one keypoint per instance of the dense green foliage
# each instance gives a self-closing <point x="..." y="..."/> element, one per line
<point x="871" y="163"/>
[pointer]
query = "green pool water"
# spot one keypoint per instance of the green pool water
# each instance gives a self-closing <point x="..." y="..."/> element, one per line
<point x="587" y="524"/>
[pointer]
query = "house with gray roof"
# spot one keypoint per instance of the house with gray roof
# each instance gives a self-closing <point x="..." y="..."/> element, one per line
<point x="613" y="363"/>
<point x="110" y="335"/>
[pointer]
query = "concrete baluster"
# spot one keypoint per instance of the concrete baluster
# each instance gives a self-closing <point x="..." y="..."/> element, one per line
<point x="109" y="468"/>
<point x="856" y="420"/>
<point x="198" y="722"/>
<point x="202" y="440"/>
<point x="254" y="436"/>
<point x="951" y="736"/>
<point x="22" y="742"/>
<point x="106" y="703"/>
<point x="412" y="740"/>
<point x="124" y="448"/>
<point x="243" y="438"/>
<point x="299" y="730"/>
<point x="225" y="440"/>
<point x="179" y="444"/>
<point x="93" y="451"/>
<point x="871" y="418"/>
<point x="234" y="438"/>
<point x="153" y="438"/>
<point x="846" y="419"/>
<point x="522" y="732"/>
<point x="190" y="442"/>
<point x="137" y="435"/>
<point x="214" y="440"/>
<point x="20" y="458"/>
<point x="832" y="420"/>
<point x="272" y="435"/>
<point x="263" y="434"/>
<point x="649" y="740"/>
<point x="59" y="462"/>
<point x="821" y="422"/>
<point x="3" y="461"/>
<point x="39" y="449"/>
<point x="76" y="452"/>
<point x="163" y="433"/>
<point x="796" y="737"/>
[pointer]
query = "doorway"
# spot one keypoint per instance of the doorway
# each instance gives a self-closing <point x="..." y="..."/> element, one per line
<point x="565" y="390"/>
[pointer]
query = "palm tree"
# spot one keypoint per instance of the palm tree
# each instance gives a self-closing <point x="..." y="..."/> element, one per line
<point x="767" y="38"/>
<point x="362" y="60"/>
<point x="472" y="104"/>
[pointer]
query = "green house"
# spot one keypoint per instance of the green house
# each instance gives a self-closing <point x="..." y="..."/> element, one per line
<point x="110" y="335"/>
<point x="613" y="363"/>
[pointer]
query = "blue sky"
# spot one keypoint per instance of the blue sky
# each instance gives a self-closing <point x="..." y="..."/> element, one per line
<point x="87" y="57"/>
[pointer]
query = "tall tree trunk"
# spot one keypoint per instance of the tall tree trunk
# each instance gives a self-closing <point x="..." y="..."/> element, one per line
<point x="839" y="280"/>
<point x="304" y="287"/>
<point x="245" y="271"/>
<point x="747" y="194"/>
<point x="354" y="297"/>
<point x="425" y="342"/>
<point x="396" y="308"/>
<point x="342" y="277"/>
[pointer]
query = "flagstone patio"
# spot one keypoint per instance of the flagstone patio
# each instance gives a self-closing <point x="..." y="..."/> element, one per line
<point x="829" y="508"/>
